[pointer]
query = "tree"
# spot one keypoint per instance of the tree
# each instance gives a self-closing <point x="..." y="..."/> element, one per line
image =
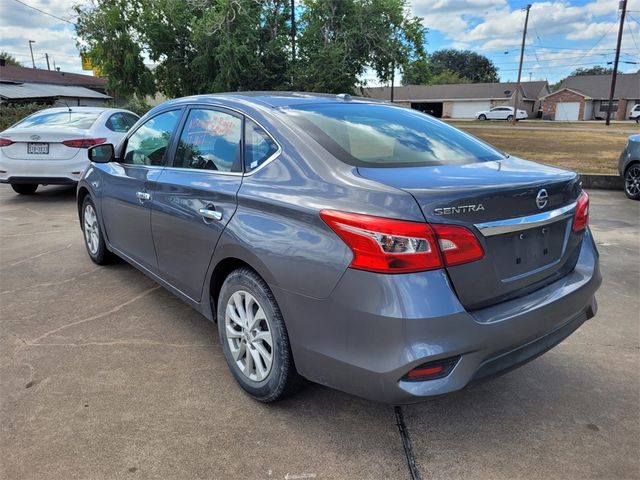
<point x="8" y="58"/>
<point x="597" y="70"/>
<point x="447" y="77"/>
<point x="339" y="39"/>
<point x="108" y="35"/>
<point x="465" y="64"/>
<point x="200" y="46"/>
<point x="417" y="72"/>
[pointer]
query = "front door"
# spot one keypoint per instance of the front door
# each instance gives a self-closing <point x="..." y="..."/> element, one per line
<point x="130" y="185"/>
<point x="195" y="197"/>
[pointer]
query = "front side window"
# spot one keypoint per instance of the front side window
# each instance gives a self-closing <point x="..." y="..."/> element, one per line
<point x="148" y="144"/>
<point x="259" y="147"/>
<point x="210" y="140"/>
<point x="81" y="120"/>
<point x="387" y="136"/>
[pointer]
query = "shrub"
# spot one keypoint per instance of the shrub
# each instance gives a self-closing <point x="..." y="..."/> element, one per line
<point x="10" y="114"/>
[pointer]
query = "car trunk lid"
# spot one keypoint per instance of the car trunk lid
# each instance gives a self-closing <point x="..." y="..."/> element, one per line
<point x="520" y="211"/>
<point x="42" y="143"/>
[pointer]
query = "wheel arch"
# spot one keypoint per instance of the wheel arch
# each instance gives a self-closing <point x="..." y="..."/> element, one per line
<point x="80" y="196"/>
<point x="227" y="259"/>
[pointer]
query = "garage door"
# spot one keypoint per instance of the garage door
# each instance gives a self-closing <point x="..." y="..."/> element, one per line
<point x="468" y="109"/>
<point x="567" y="111"/>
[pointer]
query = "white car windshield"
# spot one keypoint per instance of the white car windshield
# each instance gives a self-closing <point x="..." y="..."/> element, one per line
<point x="82" y="120"/>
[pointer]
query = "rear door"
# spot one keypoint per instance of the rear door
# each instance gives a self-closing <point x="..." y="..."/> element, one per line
<point x="196" y="196"/>
<point x="130" y="184"/>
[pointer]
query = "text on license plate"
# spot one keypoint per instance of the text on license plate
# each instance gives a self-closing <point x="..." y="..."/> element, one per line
<point x="38" y="148"/>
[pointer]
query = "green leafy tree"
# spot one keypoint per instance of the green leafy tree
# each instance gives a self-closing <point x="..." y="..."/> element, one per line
<point x="417" y="72"/>
<point x="339" y="39"/>
<point x="8" y="58"/>
<point x="597" y="70"/>
<point x="107" y="34"/>
<point x="447" y="77"/>
<point x="465" y="64"/>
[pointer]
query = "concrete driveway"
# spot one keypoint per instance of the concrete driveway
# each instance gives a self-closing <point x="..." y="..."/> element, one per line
<point x="104" y="375"/>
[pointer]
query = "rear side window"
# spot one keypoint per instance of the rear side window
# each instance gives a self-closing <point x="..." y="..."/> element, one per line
<point x="148" y="144"/>
<point x="259" y="146"/>
<point x="386" y="136"/>
<point x="83" y="120"/>
<point x="210" y="140"/>
<point x="118" y="123"/>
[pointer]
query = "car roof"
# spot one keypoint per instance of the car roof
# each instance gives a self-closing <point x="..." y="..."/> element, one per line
<point x="273" y="99"/>
<point x="81" y="109"/>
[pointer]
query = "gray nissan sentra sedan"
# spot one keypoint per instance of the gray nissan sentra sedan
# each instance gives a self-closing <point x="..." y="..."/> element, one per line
<point x="357" y="244"/>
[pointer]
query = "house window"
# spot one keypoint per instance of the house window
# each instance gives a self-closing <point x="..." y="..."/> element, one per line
<point x="604" y="106"/>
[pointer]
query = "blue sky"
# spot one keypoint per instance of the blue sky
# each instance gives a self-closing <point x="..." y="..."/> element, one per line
<point x="563" y="34"/>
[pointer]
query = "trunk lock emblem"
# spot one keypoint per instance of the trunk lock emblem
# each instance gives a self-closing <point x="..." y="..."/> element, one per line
<point x="542" y="198"/>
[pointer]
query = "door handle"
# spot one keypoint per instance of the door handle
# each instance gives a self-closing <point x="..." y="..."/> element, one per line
<point x="143" y="196"/>
<point x="210" y="213"/>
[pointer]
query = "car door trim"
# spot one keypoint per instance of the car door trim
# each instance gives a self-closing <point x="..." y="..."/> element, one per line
<point x="510" y="225"/>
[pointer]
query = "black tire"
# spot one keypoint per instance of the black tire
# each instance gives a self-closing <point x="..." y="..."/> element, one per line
<point x="282" y="379"/>
<point x="509" y="118"/>
<point x="632" y="181"/>
<point x="482" y="117"/>
<point x="24" y="188"/>
<point x="100" y="254"/>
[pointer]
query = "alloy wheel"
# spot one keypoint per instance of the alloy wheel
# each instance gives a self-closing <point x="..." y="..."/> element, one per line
<point x="91" y="232"/>
<point x="632" y="181"/>
<point x="249" y="336"/>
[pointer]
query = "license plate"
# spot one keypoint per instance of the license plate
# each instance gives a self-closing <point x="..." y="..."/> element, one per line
<point x="38" y="148"/>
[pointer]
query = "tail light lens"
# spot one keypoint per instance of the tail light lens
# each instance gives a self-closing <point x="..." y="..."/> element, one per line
<point x="5" y="142"/>
<point x="458" y="244"/>
<point x="385" y="245"/>
<point x="581" y="217"/>
<point x="83" y="142"/>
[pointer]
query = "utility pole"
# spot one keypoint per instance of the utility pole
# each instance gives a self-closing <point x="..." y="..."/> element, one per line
<point x="517" y="94"/>
<point x="31" y="48"/>
<point x="293" y="29"/>
<point x="393" y="77"/>
<point x="47" y="57"/>
<point x="622" y="6"/>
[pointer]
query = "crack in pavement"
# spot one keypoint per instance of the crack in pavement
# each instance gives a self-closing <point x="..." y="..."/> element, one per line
<point x="37" y="256"/>
<point x="51" y="284"/>
<point x="94" y="317"/>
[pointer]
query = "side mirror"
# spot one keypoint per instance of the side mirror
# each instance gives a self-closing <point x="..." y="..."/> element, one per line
<point x="101" y="153"/>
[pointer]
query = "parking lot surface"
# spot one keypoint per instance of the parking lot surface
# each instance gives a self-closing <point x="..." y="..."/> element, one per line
<point x="105" y="375"/>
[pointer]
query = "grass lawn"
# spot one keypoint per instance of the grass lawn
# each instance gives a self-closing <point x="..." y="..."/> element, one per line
<point x="585" y="151"/>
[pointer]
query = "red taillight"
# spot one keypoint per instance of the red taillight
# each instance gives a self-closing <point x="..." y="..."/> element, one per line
<point x="385" y="245"/>
<point x="581" y="217"/>
<point x="84" y="142"/>
<point x="5" y="142"/>
<point x="458" y="244"/>
<point x="426" y="372"/>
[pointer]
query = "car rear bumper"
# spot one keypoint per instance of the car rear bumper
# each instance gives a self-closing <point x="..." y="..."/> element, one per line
<point x="53" y="172"/>
<point x="373" y="329"/>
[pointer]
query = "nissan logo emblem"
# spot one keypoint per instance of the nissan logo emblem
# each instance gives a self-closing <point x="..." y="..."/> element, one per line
<point x="35" y="137"/>
<point x="542" y="198"/>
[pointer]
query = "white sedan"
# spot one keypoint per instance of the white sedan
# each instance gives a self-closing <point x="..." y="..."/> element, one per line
<point x="50" y="147"/>
<point x="501" y="113"/>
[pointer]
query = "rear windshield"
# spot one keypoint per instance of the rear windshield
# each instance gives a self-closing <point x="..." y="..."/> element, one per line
<point x="82" y="120"/>
<point x="386" y="136"/>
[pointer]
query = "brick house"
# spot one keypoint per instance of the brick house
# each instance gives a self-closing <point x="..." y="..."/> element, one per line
<point x="465" y="99"/>
<point x="586" y="97"/>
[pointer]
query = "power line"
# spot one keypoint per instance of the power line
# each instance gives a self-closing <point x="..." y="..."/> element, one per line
<point x="43" y="12"/>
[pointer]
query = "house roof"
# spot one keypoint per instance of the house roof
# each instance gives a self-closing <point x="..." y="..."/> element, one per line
<point x="598" y="86"/>
<point x="14" y="73"/>
<point x="459" y="91"/>
<point x="21" y="91"/>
